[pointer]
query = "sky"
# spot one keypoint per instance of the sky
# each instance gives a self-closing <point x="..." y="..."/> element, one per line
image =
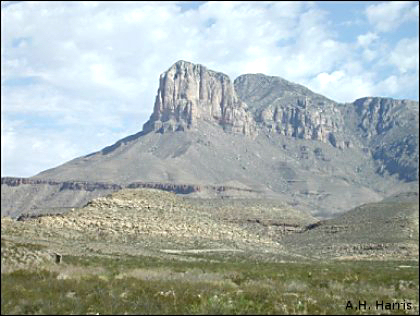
<point x="78" y="76"/>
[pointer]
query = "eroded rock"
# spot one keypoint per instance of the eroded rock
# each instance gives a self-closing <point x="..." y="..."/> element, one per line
<point x="189" y="92"/>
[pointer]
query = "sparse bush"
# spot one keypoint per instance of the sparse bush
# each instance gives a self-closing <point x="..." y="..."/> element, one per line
<point x="263" y="288"/>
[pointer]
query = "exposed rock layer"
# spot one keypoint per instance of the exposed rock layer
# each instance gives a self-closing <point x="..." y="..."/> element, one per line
<point x="390" y="129"/>
<point x="385" y="127"/>
<point x="305" y="148"/>
<point x="80" y="192"/>
<point x="189" y="92"/>
<point x="290" y="109"/>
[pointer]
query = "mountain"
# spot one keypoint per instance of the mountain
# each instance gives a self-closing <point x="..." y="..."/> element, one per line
<point x="188" y="93"/>
<point x="259" y="136"/>
<point x="385" y="127"/>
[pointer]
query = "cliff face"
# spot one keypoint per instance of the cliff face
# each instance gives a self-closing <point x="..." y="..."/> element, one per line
<point x="290" y="109"/>
<point x="188" y="93"/>
<point x="390" y="128"/>
<point x="305" y="148"/>
<point x="37" y="196"/>
<point x="377" y="116"/>
<point x="387" y="128"/>
<point x="297" y="121"/>
<point x="384" y="127"/>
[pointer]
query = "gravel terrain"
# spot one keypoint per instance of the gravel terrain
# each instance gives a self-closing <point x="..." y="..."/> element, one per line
<point x="162" y="224"/>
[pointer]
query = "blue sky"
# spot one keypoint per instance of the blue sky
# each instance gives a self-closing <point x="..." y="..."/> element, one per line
<point x="78" y="76"/>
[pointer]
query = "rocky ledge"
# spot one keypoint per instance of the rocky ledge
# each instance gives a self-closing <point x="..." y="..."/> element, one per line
<point x="60" y="196"/>
<point x="189" y="93"/>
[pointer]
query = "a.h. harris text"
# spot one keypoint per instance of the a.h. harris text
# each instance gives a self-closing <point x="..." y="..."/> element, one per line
<point x="379" y="305"/>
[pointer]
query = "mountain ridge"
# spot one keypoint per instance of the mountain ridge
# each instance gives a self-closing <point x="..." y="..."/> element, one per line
<point x="263" y="133"/>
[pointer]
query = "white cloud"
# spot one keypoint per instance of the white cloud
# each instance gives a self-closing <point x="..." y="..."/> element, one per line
<point x="325" y="79"/>
<point x="387" y="16"/>
<point x="368" y="43"/>
<point x="342" y="87"/>
<point x="390" y="84"/>
<point x="97" y="65"/>
<point x="369" y="54"/>
<point x="405" y="56"/>
<point x="394" y="84"/>
<point x="20" y="148"/>
<point x="365" y="40"/>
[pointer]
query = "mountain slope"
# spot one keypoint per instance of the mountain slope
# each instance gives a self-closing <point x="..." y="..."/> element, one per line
<point x="385" y="127"/>
<point x="386" y="228"/>
<point x="274" y="138"/>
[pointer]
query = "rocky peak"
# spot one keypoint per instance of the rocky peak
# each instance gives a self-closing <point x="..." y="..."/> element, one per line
<point x="290" y="109"/>
<point x="378" y="115"/>
<point x="390" y="128"/>
<point x="189" y="93"/>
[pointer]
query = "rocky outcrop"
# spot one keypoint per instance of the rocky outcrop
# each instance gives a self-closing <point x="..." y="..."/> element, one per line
<point x="390" y="128"/>
<point x="92" y="186"/>
<point x="309" y="149"/>
<point x="188" y="93"/>
<point x="385" y="127"/>
<point x="300" y="121"/>
<point x="292" y="110"/>
<point x="59" y="197"/>
<point x="377" y="115"/>
<point x="63" y="185"/>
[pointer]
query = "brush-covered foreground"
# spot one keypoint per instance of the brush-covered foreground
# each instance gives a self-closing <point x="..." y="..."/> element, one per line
<point x="209" y="285"/>
<point x="151" y="252"/>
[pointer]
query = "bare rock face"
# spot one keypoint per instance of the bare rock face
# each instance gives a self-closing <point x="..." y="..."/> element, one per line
<point x="379" y="115"/>
<point x="386" y="128"/>
<point x="292" y="110"/>
<point x="390" y="128"/>
<point x="189" y="93"/>
<point x="308" y="151"/>
<point x="297" y="121"/>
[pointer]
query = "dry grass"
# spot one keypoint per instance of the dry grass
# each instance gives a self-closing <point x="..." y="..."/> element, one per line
<point x="146" y="285"/>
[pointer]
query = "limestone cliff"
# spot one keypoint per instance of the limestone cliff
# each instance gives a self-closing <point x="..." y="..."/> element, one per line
<point x="305" y="149"/>
<point x="390" y="128"/>
<point x="189" y="93"/>
<point x="385" y="128"/>
<point x="291" y="109"/>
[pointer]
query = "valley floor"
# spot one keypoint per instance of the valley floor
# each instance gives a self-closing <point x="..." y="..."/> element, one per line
<point x="151" y="252"/>
<point x="209" y="284"/>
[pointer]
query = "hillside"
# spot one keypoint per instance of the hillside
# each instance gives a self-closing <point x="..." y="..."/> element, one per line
<point x="209" y="256"/>
<point x="268" y="137"/>
<point x="389" y="228"/>
<point x="156" y="223"/>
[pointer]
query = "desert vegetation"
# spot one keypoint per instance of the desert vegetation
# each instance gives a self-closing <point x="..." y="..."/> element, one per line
<point x="150" y="252"/>
<point x="209" y="284"/>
